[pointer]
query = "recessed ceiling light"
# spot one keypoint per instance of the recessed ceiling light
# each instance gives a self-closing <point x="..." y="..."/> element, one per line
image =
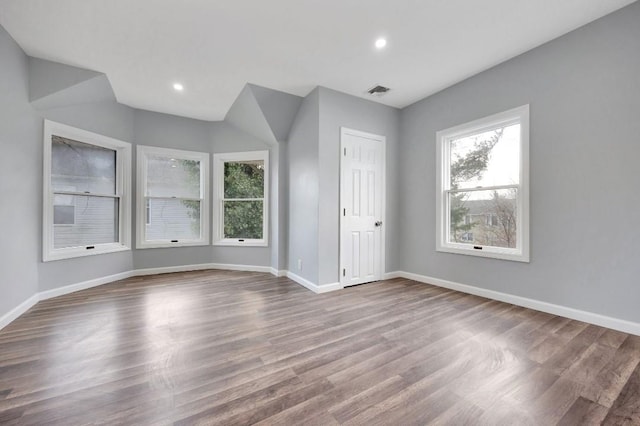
<point x="381" y="43"/>
<point x="178" y="87"/>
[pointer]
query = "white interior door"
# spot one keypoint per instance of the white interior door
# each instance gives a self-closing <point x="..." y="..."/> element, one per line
<point x="362" y="195"/>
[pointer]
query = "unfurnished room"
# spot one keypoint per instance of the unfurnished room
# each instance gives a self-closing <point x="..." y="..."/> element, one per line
<point x="319" y="213"/>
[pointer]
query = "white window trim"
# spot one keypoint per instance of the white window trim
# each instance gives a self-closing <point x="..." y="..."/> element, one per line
<point x="521" y="252"/>
<point x="218" y="196"/>
<point x="141" y="190"/>
<point x="123" y="192"/>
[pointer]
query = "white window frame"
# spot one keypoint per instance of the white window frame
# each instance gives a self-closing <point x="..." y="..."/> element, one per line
<point x="443" y="139"/>
<point x="123" y="193"/>
<point x="218" y="198"/>
<point x="142" y="153"/>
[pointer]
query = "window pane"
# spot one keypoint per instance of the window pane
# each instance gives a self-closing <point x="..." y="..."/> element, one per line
<point x="84" y="167"/>
<point x="170" y="177"/>
<point x="171" y="219"/>
<point x="95" y="223"/>
<point x="468" y="212"/>
<point x="64" y="215"/>
<point x="486" y="159"/>
<point x="243" y="219"/>
<point x="244" y="179"/>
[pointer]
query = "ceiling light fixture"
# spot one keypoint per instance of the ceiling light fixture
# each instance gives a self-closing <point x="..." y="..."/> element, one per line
<point x="178" y="87"/>
<point x="381" y="43"/>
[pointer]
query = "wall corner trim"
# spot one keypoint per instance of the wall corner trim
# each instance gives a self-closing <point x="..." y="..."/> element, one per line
<point x="278" y="273"/>
<point x="538" y="305"/>
<point x="325" y="288"/>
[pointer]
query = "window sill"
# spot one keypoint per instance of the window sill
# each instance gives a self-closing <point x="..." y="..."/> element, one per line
<point x="245" y="243"/>
<point x="75" y="252"/>
<point x="489" y="252"/>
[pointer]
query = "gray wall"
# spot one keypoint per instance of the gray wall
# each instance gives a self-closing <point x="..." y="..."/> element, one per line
<point x="280" y="251"/>
<point x="20" y="134"/>
<point x="341" y="110"/>
<point x="304" y="189"/>
<point x="584" y="93"/>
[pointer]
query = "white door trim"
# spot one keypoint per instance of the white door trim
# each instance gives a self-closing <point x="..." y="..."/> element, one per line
<point x="383" y="140"/>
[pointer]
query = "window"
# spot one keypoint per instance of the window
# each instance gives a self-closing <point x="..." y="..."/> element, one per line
<point x="240" y="198"/>
<point x="64" y="215"/>
<point x="172" y="197"/>
<point x="64" y="209"/>
<point x="483" y="193"/>
<point x="86" y="200"/>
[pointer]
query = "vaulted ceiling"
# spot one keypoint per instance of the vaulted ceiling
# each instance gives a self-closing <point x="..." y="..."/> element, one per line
<point x="214" y="48"/>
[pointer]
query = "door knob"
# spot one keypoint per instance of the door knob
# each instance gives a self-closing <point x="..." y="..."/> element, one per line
<point x="378" y="223"/>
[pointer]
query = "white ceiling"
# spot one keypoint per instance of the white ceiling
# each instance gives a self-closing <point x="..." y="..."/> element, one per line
<point x="215" y="47"/>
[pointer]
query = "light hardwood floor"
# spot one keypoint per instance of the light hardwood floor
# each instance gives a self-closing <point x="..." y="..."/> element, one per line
<point x="237" y="348"/>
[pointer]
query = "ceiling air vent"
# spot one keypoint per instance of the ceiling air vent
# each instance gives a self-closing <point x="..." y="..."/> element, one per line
<point x="378" y="91"/>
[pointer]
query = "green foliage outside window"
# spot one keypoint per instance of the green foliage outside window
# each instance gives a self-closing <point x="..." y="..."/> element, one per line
<point x="243" y="193"/>
<point x="243" y="205"/>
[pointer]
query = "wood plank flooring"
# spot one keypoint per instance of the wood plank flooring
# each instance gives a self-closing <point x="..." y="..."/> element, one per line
<point x="237" y="348"/>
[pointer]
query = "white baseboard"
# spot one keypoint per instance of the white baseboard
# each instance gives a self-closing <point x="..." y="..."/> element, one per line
<point x="278" y="273"/>
<point x="201" y="267"/>
<point x="589" y="317"/>
<point x="302" y="281"/>
<point x="244" y="268"/>
<point x="325" y="288"/>
<point x="313" y="287"/>
<point x="538" y="305"/>
<point x="7" y="318"/>
<point x="392" y="275"/>
<point x="61" y="291"/>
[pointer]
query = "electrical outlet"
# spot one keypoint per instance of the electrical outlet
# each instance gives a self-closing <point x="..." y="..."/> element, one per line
<point x="299" y="264"/>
